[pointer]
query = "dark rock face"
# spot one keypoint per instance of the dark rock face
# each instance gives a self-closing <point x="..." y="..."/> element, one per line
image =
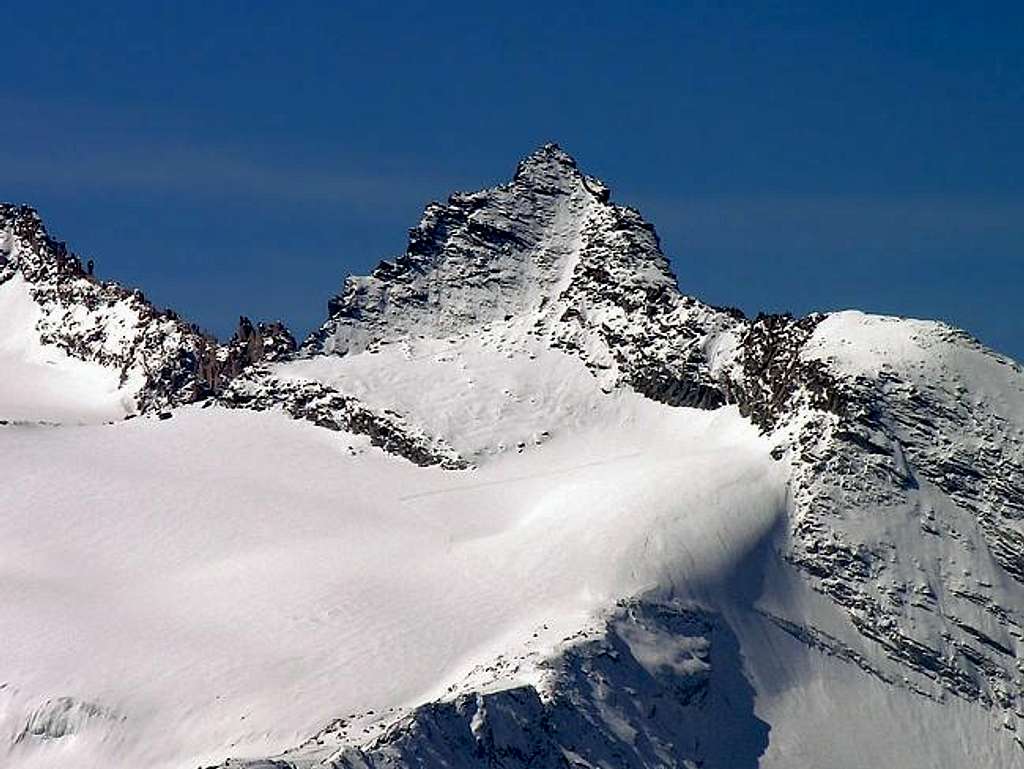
<point x="330" y="409"/>
<point x="773" y="373"/>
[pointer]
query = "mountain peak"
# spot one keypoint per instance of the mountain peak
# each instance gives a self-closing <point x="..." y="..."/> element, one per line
<point x="551" y="169"/>
<point x="548" y="159"/>
<point x="503" y="253"/>
<point x="544" y="258"/>
<point x="26" y="245"/>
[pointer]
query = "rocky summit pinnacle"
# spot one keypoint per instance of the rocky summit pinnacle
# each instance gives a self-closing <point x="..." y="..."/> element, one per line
<point x="485" y="256"/>
<point x="551" y="169"/>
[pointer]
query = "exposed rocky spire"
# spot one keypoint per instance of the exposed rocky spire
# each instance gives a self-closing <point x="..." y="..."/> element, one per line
<point x="26" y="246"/>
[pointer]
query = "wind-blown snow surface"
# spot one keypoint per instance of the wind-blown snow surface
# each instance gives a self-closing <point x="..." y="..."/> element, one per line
<point x="222" y="582"/>
<point x="225" y="583"/>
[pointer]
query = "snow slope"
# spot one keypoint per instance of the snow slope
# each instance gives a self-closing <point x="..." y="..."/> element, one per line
<point x="481" y="393"/>
<point x="222" y="606"/>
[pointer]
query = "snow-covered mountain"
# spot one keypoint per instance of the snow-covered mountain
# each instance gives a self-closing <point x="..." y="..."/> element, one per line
<point x="76" y="348"/>
<point x="518" y="502"/>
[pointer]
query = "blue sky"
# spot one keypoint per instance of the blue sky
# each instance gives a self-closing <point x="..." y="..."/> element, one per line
<point x="243" y="157"/>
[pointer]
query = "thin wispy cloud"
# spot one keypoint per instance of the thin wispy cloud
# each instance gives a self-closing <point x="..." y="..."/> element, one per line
<point x="208" y="173"/>
<point x="74" y="149"/>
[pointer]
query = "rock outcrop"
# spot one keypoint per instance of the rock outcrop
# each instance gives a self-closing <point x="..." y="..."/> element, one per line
<point x="326" y="407"/>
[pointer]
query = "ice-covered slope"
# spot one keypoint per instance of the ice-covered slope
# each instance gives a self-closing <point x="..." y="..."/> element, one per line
<point x="562" y="515"/>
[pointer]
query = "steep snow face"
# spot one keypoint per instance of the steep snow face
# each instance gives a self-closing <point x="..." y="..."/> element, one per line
<point x="543" y="258"/>
<point x="905" y="441"/>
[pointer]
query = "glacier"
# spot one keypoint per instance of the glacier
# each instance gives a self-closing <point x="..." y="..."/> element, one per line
<point x="518" y="502"/>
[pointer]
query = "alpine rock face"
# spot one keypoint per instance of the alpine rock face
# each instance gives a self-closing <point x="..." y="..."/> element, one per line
<point x="518" y="502"/>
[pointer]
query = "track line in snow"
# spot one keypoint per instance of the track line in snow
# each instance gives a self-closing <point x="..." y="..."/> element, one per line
<point x="518" y="478"/>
